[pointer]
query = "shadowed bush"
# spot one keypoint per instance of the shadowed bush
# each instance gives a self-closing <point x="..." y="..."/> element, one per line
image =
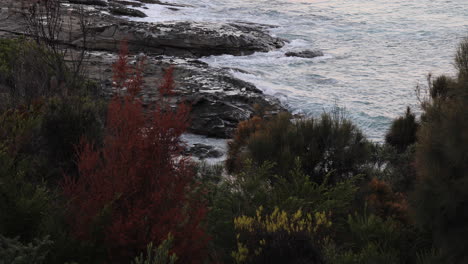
<point x="30" y="71"/>
<point x="280" y="237"/>
<point x="65" y="122"/>
<point x="246" y="191"/>
<point x="402" y="132"/>
<point x="440" y="199"/>
<point x="327" y="145"/>
<point x="12" y="251"/>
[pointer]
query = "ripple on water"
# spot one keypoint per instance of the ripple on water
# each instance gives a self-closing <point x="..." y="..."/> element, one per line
<point x="377" y="51"/>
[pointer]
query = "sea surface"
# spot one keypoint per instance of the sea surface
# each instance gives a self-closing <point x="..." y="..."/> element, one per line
<point x="376" y="51"/>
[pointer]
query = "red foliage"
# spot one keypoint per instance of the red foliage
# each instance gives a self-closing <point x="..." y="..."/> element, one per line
<point x="244" y="130"/>
<point x="124" y="77"/>
<point x="167" y="87"/>
<point x="385" y="202"/>
<point x="137" y="189"/>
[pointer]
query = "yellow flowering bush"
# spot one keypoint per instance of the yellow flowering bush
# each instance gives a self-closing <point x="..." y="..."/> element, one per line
<point x="280" y="237"/>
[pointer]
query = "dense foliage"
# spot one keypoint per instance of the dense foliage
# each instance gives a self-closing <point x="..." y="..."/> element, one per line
<point x="441" y="198"/>
<point x="84" y="180"/>
<point x="330" y="144"/>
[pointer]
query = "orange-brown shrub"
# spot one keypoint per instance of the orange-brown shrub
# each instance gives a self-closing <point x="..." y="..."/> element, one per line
<point x="385" y="202"/>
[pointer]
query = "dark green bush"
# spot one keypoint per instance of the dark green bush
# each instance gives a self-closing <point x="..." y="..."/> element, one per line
<point x="370" y="239"/>
<point x="12" y="251"/>
<point x="440" y="199"/>
<point x="24" y="199"/>
<point x="461" y="59"/>
<point x="29" y="71"/>
<point x="397" y="168"/>
<point x="158" y="255"/>
<point x="65" y="122"/>
<point x="29" y="153"/>
<point x="280" y="237"/>
<point x="9" y="50"/>
<point x="439" y="87"/>
<point x="327" y="145"/>
<point x="24" y="205"/>
<point x="246" y="191"/>
<point x="402" y="132"/>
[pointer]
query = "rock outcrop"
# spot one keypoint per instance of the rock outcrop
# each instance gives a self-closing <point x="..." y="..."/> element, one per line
<point x="305" y="54"/>
<point x="181" y="39"/>
<point x="218" y="100"/>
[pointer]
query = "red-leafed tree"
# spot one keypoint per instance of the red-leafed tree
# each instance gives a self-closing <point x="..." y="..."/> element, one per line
<point x="137" y="188"/>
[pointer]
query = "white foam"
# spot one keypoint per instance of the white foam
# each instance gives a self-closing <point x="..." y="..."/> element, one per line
<point x="216" y="143"/>
<point x="375" y="54"/>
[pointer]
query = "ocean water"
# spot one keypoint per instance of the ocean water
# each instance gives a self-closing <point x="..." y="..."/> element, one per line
<point x="376" y="51"/>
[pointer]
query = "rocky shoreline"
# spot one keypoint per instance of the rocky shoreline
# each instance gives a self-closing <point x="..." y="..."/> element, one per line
<point x="219" y="100"/>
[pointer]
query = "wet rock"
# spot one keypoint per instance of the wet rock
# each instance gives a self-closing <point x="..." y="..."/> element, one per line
<point x="180" y="39"/>
<point x="89" y="2"/>
<point x="218" y="100"/>
<point x="121" y="10"/>
<point x="128" y="3"/>
<point x="203" y="151"/>
<point x="183" y="39"/>
<point x="305" y="54"/>
<point x="157" y="2"/>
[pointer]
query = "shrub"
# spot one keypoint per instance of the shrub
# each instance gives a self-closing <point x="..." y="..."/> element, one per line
<point x="280" y="237"/>
<point x="30" y="71"/>
<point x="47" y="131"/>
<point x="461" y="59"/>
<point x="159" y="255"/>
<point x="65" y="122"/>
<point x="440" y="199"/>
<point x="12" y="251"/>
<point x="398" y="168"/>
<point x="439" y="88"/>
<point x="24" y="205"/>
<point x="370" y="240"/>
<point x="330" y="144"/>
<point x="137" y="189"/>
<point x="244" y="192"/>
<point x="402" y="132"/>
<point x="385" y="203"/>
<point x="25" y="200"/>
<point x="235" y="146"/>
<point x="9" y="50"/>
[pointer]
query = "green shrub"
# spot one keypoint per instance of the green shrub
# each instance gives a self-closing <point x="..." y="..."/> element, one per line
<point x="24" y="199"/>
<point x="26" y="193"/>
<point x="370" y="239"/>
<point x="439" y="88"/>
<point x="327" y="145"/>
<point x="440" y="199"/>
<point x="159" y="255"/>
<point x="9" y="50"/>
<point x="246" y="191"/>
<point x="65" y="122"/>
<point x="402" y="132"/>
<point x="12" y="251"/>
<point x="461" y="59"/>
<point x="24" y="205"/>
<point x="29" y="71"/>
<point x="279" y="237"/>
<point x="399" y="168"/>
